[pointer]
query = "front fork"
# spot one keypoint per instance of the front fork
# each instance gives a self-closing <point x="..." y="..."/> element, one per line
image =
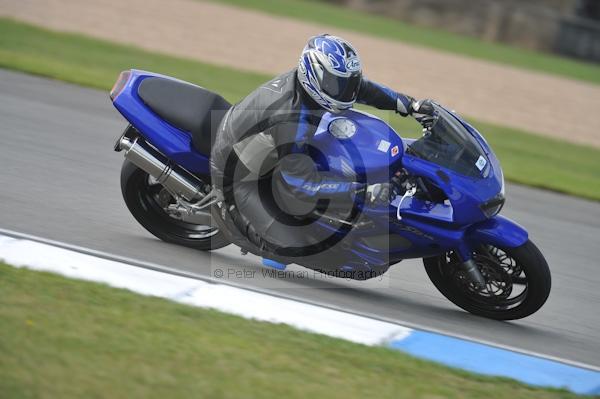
<point x="468" y="265"/>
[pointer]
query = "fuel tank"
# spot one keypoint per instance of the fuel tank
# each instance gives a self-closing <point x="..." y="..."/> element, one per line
<point x="355" y="143"/>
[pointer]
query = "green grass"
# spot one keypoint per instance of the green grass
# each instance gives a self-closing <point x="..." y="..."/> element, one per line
<point x="62" y="338"/>
<point x="97" y="63"/>
<point x="526" y="158"/>
<point x="345" y="18"/>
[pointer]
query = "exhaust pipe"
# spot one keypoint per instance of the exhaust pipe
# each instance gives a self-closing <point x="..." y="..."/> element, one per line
<point x="176" y="180"/>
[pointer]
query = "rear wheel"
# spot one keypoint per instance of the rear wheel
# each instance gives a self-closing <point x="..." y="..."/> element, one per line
<point x="517" y="281"/>
<point x="157" y="211"/>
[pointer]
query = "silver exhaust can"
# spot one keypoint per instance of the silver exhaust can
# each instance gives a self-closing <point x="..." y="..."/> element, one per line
<point x="176" y="180"/>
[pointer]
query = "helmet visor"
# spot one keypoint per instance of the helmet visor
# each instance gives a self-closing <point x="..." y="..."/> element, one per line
<point x="344" y="89"/>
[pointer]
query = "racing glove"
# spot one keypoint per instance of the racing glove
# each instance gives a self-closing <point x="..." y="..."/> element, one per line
<point x="423" y="112"/>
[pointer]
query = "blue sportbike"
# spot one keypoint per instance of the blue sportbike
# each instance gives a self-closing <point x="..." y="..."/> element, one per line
<point x="446" y="208"/>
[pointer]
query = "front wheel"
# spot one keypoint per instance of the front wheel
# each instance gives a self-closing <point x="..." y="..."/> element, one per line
<point x="517" y="281"/>
<point x="155" y="209"/>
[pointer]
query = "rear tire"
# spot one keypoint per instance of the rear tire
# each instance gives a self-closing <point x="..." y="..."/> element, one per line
<point x="532" y="273"/>
<point x="142" y="201"/>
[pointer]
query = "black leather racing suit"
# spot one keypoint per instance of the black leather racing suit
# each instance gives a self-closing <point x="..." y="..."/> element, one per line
<point x="268" y="133"/>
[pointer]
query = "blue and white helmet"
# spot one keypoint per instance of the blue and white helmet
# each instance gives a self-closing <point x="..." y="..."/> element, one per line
<point x="330" y="72"/>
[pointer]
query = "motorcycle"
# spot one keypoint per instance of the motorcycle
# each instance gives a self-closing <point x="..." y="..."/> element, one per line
<point x="451" y="190"/>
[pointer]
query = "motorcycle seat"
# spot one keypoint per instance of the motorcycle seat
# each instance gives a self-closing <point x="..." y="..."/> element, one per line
<point x="187" y="107"/>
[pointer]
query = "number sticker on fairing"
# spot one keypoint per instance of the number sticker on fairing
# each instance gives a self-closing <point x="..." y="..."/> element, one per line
<point x="384" y="146"/>
<point x="481" y="162"/>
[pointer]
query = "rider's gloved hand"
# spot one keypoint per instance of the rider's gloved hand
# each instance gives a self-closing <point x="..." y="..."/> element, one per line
<point x="423" y="112"/>
<point x="378" y="193"/>
<point x="423" y="107"/>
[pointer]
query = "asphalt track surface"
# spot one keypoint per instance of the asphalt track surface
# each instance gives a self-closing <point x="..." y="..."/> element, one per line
<point x="59" y="179"/>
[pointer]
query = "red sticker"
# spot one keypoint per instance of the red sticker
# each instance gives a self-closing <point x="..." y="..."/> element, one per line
<point x="394" y="150"/>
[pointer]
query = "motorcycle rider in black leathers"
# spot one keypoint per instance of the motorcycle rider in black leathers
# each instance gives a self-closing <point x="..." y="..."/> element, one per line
<point x="262" y="160"/>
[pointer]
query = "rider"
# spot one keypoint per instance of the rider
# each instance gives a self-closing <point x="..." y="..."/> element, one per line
<point x="268" y="133"/>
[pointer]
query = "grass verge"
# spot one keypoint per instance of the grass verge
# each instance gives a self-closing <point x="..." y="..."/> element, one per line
<point x="63" y="338"/>
<point x="345" y="18"/>
<point x="526" y="158"/>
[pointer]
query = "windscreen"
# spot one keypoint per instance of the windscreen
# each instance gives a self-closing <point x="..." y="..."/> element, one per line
<point x="449" y="144"/>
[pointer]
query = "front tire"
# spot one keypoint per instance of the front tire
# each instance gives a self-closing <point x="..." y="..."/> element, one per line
<point x="146" y="201"/>
<point x="518" y="281"/>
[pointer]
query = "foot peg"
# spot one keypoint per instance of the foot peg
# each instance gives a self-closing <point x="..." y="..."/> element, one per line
<point x="209" y="199"/>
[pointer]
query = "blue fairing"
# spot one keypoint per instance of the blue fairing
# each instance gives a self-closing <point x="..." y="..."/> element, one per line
<point x="499" y="231"/>
<point x="174" y="143"/>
